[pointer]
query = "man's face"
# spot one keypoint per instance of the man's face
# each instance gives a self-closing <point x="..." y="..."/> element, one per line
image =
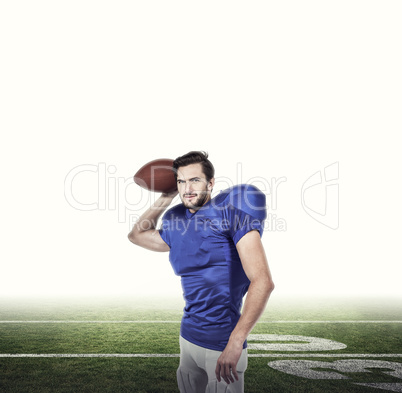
<point x="193" y="187"/>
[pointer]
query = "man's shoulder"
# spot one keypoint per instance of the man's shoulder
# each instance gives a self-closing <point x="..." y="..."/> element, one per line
<point x="242" y="199"/>
<point x="241" y="196"/>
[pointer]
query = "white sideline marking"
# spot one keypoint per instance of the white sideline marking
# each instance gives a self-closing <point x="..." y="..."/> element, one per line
<point x="90" y="355"/>
<point x="349" y="321"/>
<point x="326" y="355"/>
<point x="72" y="321"/>
<point x="176" y="355"/>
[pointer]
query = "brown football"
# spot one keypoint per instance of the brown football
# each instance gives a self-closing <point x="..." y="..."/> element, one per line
<point x="157" y="176"/>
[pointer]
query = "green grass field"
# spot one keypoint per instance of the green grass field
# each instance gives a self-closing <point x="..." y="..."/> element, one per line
<point x="131" y="345"/>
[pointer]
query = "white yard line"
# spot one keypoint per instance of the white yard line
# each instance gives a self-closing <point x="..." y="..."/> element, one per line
<point x="72" y="321"/>
<point x="174" y="355"/>
<point x="260" y="322"/>
<point x="329" y="321"/>
<point x="326" y="355"/>
<point x="89" y="355"/>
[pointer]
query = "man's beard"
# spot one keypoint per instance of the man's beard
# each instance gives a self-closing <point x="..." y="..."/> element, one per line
<point x="197" y="202"/>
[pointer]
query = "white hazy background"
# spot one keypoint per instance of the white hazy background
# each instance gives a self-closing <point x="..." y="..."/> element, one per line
<point x="90" y="91"/>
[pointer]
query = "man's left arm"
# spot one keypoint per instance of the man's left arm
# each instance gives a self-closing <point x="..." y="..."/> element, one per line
<point x="255" y="265"/>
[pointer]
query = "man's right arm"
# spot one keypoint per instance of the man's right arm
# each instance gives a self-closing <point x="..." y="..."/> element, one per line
<point x="144" y="232"/>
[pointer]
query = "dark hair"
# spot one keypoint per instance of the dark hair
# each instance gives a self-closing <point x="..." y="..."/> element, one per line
<point x="195" y="157"/>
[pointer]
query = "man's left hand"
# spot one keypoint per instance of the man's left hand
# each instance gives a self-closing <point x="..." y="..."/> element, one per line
<point x="227" y="363"/>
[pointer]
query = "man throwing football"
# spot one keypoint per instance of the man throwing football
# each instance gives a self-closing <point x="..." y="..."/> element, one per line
<point x="215" y="246"/>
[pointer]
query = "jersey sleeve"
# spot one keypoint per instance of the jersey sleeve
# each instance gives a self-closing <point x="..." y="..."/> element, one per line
<point x="164" y="230"/>
<point x="246" y="211"/>
<point x="170" y="222"/>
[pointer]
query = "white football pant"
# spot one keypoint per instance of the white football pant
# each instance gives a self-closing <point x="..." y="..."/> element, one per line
<point x="196" y="372"/>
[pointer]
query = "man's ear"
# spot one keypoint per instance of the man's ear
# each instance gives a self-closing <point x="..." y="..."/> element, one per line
<point x="211" y="184"/>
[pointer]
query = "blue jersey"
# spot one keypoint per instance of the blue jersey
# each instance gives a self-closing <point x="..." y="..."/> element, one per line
<point x="203" y="252"/>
